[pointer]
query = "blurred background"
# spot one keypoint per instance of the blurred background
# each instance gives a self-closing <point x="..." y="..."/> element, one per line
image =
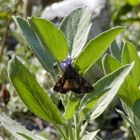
<point x="105" y="14"/>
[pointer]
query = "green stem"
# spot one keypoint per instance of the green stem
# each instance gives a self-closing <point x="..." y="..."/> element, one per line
<point x="60" y="132"/>
<point x="76" y="127"/>
<point x="70" y="130"/>
<point x="83" y="128"/>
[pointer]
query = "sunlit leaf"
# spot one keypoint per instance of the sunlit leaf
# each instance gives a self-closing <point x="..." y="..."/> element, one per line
<point x="129" y="55"/>
<point x="31" y="93"/>
<point x="95" y="48"/>
<point x="110" y="64"/>
<point x="35" y="45"/>
<point x="71" y="108"/>
<point x="111" y="83"/>
<point x="133" y="2"/>
<point x="52" y="38"/>
<point x="129" y="91"/>
<point x="76" y="27"/>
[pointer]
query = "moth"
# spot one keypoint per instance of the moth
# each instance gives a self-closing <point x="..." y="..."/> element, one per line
<point x="72" y="81"/>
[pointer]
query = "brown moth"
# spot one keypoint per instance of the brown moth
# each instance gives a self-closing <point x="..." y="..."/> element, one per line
<point x="72" y="81"/>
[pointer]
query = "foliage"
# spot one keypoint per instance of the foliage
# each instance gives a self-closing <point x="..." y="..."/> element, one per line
<point x="126" y="13"/>
<point x="129" y="92"/>
<point x="16" y="128"/>
<point x="50" y="45"/>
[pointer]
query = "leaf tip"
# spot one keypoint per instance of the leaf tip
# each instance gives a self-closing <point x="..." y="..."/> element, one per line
<point x="132" y="64"/>
<point x="11" y="65"/>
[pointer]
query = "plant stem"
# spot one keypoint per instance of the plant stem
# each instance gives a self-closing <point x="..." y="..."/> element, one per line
<point x="70" y="130"/>
<point x="2" y="45"/>
<point x="60" y="132"/>
<point x="83" y="128"/>
<point x="76" y="127"/>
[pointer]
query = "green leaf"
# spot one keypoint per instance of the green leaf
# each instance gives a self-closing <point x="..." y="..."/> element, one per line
<point x="95" y="48"/>
<point x="89" y="101"/>
<point x="133" y="2"/>
<point x="31" y="93"/>
<point x="110" y="64"/>
<point x="65" y="98"/>
<point x="90" y="136"/>
<point x="71" y="107"/>
<point x="116" y="51"/>
<point x="135" y="129"/>
<point x="25" y="136"/>
<point x="14" y="128"/>
<point x="52" y="38"/>
<point x="35" y="45"/>
<point x="76" y="27"/>
<point x="130" y="86"/>
<point x="4" y="15"/>
<point x="126" y="118"/>
<point x="129" y="91"/>
<point x="113" y="81"/>
<point x="136" y="108"/>
<point x="132" y="119"/>
<point x="29" y="138"/>
<point x="129" y="55"/>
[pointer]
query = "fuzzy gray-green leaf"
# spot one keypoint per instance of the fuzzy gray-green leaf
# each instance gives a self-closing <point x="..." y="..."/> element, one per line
<point x="31" y="93"/>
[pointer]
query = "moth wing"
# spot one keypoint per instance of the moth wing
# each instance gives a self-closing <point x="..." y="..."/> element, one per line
<point x="71" y="80"/>
<point x="82" y="86"/>
<point x="61" y="86"/>
<point x="58" y="86"/>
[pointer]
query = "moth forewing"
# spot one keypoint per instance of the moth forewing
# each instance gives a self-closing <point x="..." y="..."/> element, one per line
<point x="72" y="81"/>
